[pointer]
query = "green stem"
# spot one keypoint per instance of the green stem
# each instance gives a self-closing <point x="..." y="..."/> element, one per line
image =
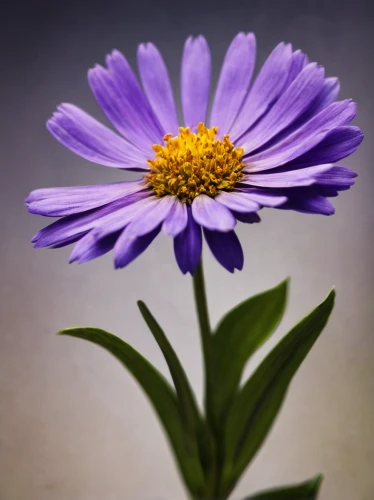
<point x="205" y="331"/>
<point x="206" y="342"/>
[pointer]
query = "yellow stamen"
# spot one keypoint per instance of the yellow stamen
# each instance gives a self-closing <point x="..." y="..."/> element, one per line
<point x="194" y="163"/>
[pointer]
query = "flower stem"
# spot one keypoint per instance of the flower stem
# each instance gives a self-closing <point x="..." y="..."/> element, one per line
<point x="207" y="346"/>
<point x="205" y="331"/>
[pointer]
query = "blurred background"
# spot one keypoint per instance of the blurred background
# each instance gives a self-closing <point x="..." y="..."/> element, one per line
<point x="73" y="424"/>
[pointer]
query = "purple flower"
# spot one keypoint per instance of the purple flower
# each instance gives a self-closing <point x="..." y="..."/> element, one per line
<point x="272" y="143"/>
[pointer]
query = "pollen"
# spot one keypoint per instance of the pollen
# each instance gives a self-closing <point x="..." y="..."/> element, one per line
<point x="191" y="163"/>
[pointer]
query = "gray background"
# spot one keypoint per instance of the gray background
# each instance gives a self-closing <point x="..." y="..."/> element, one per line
<point x="73" y="424"/>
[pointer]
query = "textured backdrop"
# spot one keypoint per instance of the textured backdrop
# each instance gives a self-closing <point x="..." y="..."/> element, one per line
<point x="73" y="424"/>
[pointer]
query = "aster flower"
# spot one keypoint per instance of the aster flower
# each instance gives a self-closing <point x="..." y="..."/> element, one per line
<point x="270" y="143"/>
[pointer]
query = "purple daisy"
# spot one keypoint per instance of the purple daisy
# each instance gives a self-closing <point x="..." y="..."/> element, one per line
<point x="272" y="143"/>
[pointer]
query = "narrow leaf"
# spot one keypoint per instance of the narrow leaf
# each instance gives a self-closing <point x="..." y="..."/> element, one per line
<point x="257" y="405"/>
<point x="239" y="334"/>
<point x="194" y="424"/>
<point x="304" y="491"/>
<point x="188" y="407"/>
<point x="161" y="395"/>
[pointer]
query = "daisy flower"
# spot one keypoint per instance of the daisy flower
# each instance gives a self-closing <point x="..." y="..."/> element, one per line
<point x="271" y="143"/>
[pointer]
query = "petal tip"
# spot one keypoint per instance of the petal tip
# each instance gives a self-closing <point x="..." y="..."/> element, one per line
<point x="146" y="47"/>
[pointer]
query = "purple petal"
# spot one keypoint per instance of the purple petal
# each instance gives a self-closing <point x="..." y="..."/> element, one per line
<point x="308" y="203"/>
<point x="157" y="86"/>
<point x="212" y="215"/>
<point x="337" y="144"/>
<point x="226" y="248"/>
<point x="148" y="219"/>
<point x="195" y="80"/>
<point x="237" y="201"/>
<point x="303" y="139"/>
<point x="248" y="218"/>
<point x="177" y="219"/>
<point x="325" y="190"/>
<point x="331" y="191"/>
<point x="292" y="178"/>
<point x="68" y="241"/>
<point x="125" y="215"/>
<point x="266" y="89"/>
<point x="294" y="101"/>
<point x="299" y="61"/>
<point x="128" y="248"/>
<point x="73" y="225"/>
<point x="62" y="201"/>
<point x="337" y="176"/>
<point x="120" y="97"/>
<point x="89" y="248"/>
<point x="263" y="198"/>
<point x="65" y="231"/>
<point x="91" y="140"/>
<point x="233" y="82"/>
<point x="138" y="219"/>
<point x="127" y="81"/>
<point x="326" y="96"/>
<point x="188" y="246"/>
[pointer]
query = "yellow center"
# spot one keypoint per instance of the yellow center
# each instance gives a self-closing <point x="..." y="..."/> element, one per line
<point x="194" y="163"/>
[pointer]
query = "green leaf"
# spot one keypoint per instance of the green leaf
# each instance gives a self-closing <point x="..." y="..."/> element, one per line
<point x="256" y="406"/>
<point x="304" y="491"/>
<point x="198" y="432"/>
<point x="188" y="407"/>
<point x="239" y="334"/>
<point x="162" y="397"/>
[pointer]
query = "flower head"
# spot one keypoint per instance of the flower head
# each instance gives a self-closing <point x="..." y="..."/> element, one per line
<point x="273" y="143"/>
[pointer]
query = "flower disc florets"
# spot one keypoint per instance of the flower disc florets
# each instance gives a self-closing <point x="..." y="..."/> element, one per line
<point x="194" y="163"/>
